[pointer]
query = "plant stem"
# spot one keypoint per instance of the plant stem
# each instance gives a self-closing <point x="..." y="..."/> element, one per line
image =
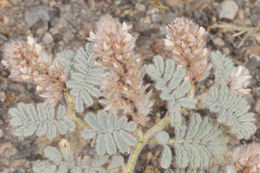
<point x="72" y="111"/>
<point x="142" y="141"/>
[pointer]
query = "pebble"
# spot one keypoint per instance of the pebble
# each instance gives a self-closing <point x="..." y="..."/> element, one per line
<point x="17" y="87"/>
<point x="4" y="20"/>
<point x="146" y="20"/>
<point x="172" y="3"/>
<point x="140" y="7"/>
<point x="218" y="42"/>
<point x="153" y="11"/>
<point x="41" y="30"/>
<point x="256" y="91"/>
<point x="47" y="38"/>
<point x="157" y="46"/>
<point x="144" y="24"/>
<point x="156" y="18"/>
<point x="68" y="36"/>
<point x="84" y="29"/>
<point x="169" y="17"/>
<point x="228" y="9"/>
<point x="1" y="133"/>
<point x="2" y="96"/>
<point x="258" y="39"/>
<point x="37" y="13"/>
<point x="7" y="150"/>
<point x="225" y="50"/>
<point x="1" y="65"/>
<point x="257" y="106"/>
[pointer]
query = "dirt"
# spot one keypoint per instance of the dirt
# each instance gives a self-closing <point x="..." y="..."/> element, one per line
<point x="65" y="24"/>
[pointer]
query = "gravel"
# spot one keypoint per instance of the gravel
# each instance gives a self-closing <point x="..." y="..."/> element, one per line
<point x="228" y="9"/>
<point x="65" y="24"/>
<point x="37" y="13"/>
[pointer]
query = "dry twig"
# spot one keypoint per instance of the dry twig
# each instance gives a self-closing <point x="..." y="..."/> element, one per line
<point x="241" y="31"/>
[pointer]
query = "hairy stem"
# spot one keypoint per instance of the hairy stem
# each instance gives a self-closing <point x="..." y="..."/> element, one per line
<point x="72" y="111"/>
<point x="142" y="141"/>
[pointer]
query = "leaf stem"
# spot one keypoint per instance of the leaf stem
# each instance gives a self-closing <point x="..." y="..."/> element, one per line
<point x="72" y="110"/>
<point x="142" y="141"/>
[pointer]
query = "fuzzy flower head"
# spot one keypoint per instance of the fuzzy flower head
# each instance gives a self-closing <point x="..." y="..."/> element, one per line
<point x="186" y="40"/>
<point x="246" y="159"/>
<point x="112" y="38"/>
<point x="123" y="87"/>
<point x="239" y="80"/>
<point x="28" y="62"/>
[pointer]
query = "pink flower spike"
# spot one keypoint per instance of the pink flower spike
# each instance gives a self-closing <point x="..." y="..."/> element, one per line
<point x="186" y="41"/>
<point x="28" y="62"/>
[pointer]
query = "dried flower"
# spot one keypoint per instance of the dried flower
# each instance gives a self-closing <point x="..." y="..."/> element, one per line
<point x="246" y="159"/>
<point x="123" y="87"/>
<point x="65" y="146"/>
<point x="28" y="62"/>
<point x="230" y="169"/>
<point x="239" y="80"/>
<point x="187" y="40"/>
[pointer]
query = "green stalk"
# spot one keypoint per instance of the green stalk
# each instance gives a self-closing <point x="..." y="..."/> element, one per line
<point x="142" y="141"/>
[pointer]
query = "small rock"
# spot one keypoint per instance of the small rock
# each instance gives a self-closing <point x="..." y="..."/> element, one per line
<point x="172" y="3"/>
<point x="258" y="39"/>
<point x="140" y="7"/>
<point x="146" y="20"/>
<point x="228" y="9"/>
<point x="149" y="156"/>
<point x="1" y="133"/>
<point x="65" y="8"/>
<point x="257" y="106"/>
<point x="84" y="29"/>
<point x="37" y="13"/>
<point x="68" y="36"/>
<point x="17" y="87"/>
<point x="156" y="18"/>
<point x="2" y="96"/>
<point x="225" y="50"/>
<point x="169" y="17"/>
<point x="4" y="20"/>
<point x="153" y="11"/>
<point x="256" y="91"/>
<point x="47" y="38"/>
<point x="218" y="42"/>
<point x="157" y="46"/>
<point x="5" y="3"/>
<point x="144" y="24"/>
<point x="241" y="14"/>
<point x="42" y="30"/>
<point x="10" y="99"/>
<point x="7" y="150"/>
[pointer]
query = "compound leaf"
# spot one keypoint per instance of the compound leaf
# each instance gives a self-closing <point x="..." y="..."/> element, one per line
<point x="197" y="144"/>
<point x="52" y="154"/>
<point x="223" y="66"/>
<point x="115" y="162"/>
<point x="170" y="80"/>
<point x="232" y="110"/>
<point x="40" y="120"/>
<point x="111" y="133"/>
<point x="166" y="157"/>
<point x="85" y="78"/>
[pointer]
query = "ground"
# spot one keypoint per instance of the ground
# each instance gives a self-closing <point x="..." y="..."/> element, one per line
<point x="65" y="24"/>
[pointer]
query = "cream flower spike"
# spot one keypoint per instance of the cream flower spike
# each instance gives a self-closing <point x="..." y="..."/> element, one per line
<point x="186" y="40"/>
<point x="246" y="159"/>
<point x="123" y="88"/>
<point x="239" y="80"/>
<point x="28" y="62"/>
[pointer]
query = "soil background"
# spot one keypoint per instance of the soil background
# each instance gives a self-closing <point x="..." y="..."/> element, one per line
<point x="65" y="24"/>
